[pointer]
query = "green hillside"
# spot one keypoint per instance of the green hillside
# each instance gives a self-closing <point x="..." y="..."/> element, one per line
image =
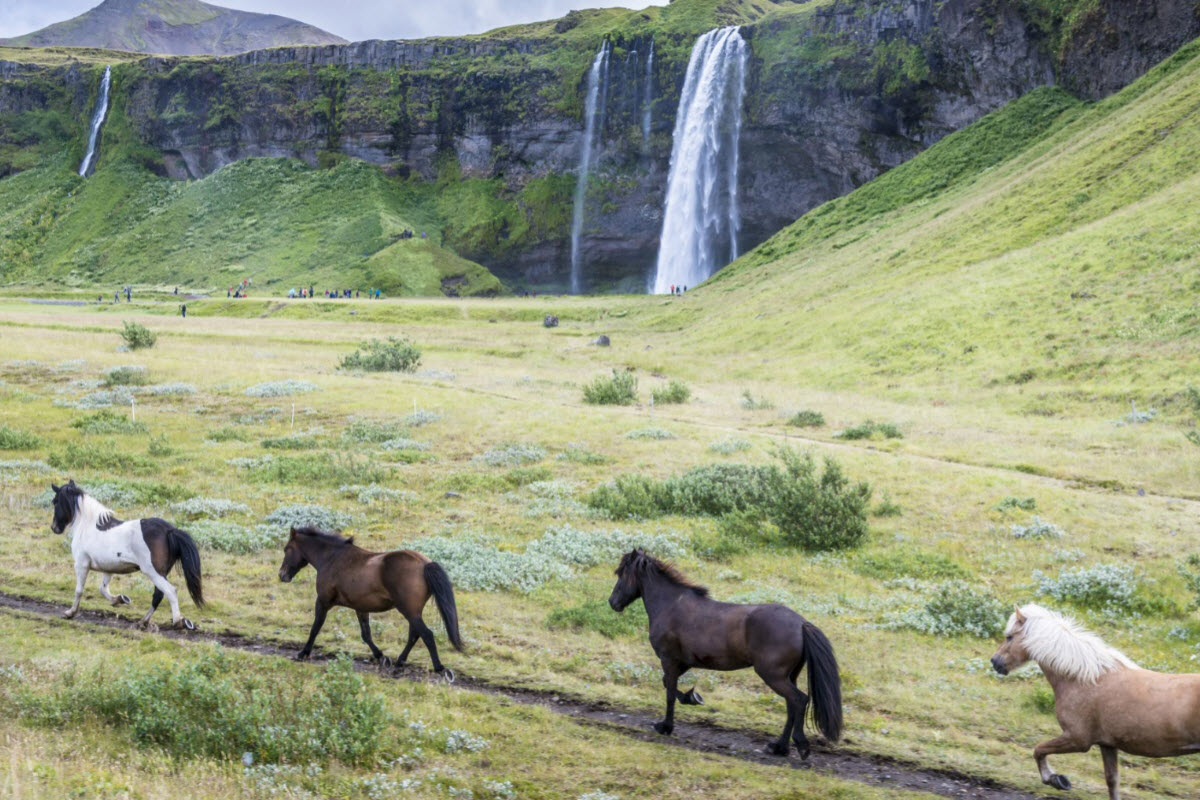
<point x="276" y="221"/>
<point x="1050" y="250"/>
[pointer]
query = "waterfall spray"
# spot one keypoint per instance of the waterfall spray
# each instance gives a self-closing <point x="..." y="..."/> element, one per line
<point x="701" y="221"/>
<point x="593" y="112"/>
<point x="97" y="122"/>
<point x="648" y="99"/>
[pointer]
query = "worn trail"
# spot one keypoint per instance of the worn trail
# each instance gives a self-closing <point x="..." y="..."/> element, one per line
<point x="699" y="736"/>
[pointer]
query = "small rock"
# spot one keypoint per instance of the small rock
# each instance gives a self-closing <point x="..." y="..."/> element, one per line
<point x="451" y="495"/>
<point x="601" y="341"/>
<point x="550" y="321"/>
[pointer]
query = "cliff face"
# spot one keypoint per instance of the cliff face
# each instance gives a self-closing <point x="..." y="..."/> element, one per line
<point x="836" y="95"/>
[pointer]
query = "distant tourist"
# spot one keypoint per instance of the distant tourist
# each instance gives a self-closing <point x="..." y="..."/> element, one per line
<point x="183" y="310"/>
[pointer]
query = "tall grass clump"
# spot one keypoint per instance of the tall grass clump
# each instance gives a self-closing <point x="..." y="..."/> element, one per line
<point x="229" y="537"/>
<point x="596" y="615"/>
<point x="674" y="393"/>
<point x="373" y="431"/>
<point x="299" y="516"/>
<point x="653" y="434"/>
<point x="475" y="565"/>
<point x="210" y="706"/>
<point x="811" y="510"/>
<point x="14" y="439"/>
<point x="807" y="419"/>
<point x="393" y="355"/>
<point x="513" y="454"/>
<point x="1037" y="529"/>
<point x="729" y="446"/>
<point x="127" y="375"/>
<point x="752" y="403"/>
<point x="872" y="430"/>
<point x="137" y="336"/>
<point x="619" y="390"/>
<point x="956" y="609"/>
<point x="281" y="388"/>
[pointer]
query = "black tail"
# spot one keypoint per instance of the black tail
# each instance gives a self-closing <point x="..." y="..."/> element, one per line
<point x="183" y="549"/>
<point x="824" y="683"/>
<point x="443" y="594"/>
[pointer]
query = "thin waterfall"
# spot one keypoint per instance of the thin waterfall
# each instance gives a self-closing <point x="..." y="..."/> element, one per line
<point x="593" y="112"/>
<point x="648" y="99"/>
<point x="701" y="220"/>
<point x="97" y="122"/>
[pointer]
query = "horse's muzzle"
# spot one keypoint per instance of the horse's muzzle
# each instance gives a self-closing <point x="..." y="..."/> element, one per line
<point x="999" y="666"/>
<point x="283" y="576"/>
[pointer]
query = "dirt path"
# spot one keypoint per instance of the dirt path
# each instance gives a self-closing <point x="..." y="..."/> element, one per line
<point x="699" y="736"/>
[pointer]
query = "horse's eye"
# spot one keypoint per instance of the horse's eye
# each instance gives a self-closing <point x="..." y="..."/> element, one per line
<point x="1008" y="638"/>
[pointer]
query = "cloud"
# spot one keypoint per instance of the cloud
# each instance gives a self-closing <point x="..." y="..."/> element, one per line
<point x="372" y="19"/>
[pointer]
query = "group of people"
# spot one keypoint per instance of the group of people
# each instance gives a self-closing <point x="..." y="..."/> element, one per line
<point x="333" y="294"/>
<point x="678" y="289"/>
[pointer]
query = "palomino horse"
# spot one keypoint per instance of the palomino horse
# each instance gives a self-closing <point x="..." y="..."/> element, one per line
<point x="367" y="582"/>
<point x="687" y="629"/>
<point x="1100" y="696"/>
<point x="104" y="543"/>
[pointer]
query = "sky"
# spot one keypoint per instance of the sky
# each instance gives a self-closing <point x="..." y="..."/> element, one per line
<point x="368" y="19"/>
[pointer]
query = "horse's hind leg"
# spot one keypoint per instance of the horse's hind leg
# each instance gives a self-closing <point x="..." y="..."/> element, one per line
<point x="116" y="600"/>
<point x="162" y="585"/>
<point x="797" y="703"/>
<point x="364" y="626"/>
<point x="798" y="731"/>
<point x="1061" y="744"/>
<point x="413" y="635"/>
<point x="1112" y="775"/>
<point x="154" y="601"/>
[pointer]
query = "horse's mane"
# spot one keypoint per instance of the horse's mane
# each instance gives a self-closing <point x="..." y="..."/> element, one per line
<point x="645" y="563"/>
<point x="1064" y="646"/>
<point x="91" y="512"/>
<point x="325" y="536"/>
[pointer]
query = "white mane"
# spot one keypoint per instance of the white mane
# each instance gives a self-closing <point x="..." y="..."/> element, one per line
<point x="90" y="513"/>
<point x="1061" y="645"/>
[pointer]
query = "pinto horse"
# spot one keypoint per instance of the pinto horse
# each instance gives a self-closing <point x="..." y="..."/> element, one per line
<point x="688" y="629"/>
<point x="1100" y="696"/>
<point x="101" y="542"/>
<point x="348" y="575"/>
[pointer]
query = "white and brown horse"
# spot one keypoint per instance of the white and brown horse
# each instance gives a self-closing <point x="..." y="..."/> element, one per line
<point x="101" y="542"/>
<point x="1100" y="696"/>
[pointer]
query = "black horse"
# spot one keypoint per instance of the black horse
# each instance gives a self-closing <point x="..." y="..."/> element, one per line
<point x="688" y="629"/>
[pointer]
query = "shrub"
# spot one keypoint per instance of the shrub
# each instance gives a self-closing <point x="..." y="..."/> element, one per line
<point x="512" y="455"/>
<point x="887" y="507"/>
<point x="367" y="430"/>
<point x="300" y="441"/>
<point x="310" y="469"/>
<point x="374" y="493"/>
<point x="956" y="609"/>
<point x="206" y="706"/>
<point x="1189" y="570"/>
<point x="653" y="434"/>
<point x="1103" y="587"/>
<point x="226" y="434"/>
<point x="228" y="537"/>
<point x="675" y="392"/>
<point x="807" y="419"/>
<point x="619" y="390"/>
<point x="120" y="396"/>
<point x="1023" y="503"/>
<point x="421" y="417"/>
<point x="281" y="388"/>
<point x="818" y="513"/>
<point x="570" y="545"/>
<point x="13" y="439"/>
<point x="728" y="447"/>
<point x="751" y="403"/>
<point x="98" y="456"/>
<point x="175" y="388"/>
<point x="138" y="336"/>
<point x="208" y="507"/>
<point x="1037" y="529"/>
<point x="524" y="476"/>
<point x="126" y="375"/>
<point x="393" y="355"/>
<point x="476" y="566"/>
<point x="872" y="430"/>
<point x="405" y="444"/>
<point x="299" y="516"/>
<point x="596" y="615"/>
<point x="160" y="446"/>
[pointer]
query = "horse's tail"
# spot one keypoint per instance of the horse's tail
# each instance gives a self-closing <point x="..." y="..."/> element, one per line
<point x="824" y="682"/>
<point x="443" y="594"/>
<point x="183" y="549"/>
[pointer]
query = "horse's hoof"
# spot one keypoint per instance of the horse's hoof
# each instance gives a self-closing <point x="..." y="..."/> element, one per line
<point x="186" y="625"/>
<point x="803" y="751"/>
<point x="664" y="728"/>
<point x="69" y="614"/>
<point x="1060" y="782"/>
<point x="447" y="675"/>
<point x="777" y="749"/>
<point x="384" y="662"/>
<point x="122" y="600"/>
<point x="301" y="656"/>
<point x="692" y="698"/>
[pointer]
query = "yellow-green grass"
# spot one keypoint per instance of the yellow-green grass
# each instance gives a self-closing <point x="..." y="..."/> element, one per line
<point x="923" y="698"/>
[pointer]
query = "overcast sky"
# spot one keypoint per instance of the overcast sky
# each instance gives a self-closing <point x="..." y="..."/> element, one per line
<point x="371" y="19"/>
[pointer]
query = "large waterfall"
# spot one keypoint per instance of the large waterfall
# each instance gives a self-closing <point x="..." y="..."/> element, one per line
<point x="648" y="99"/>
<point x="593" y="113"/>
<point x="97" y="122"/>
<point x="701" y="222"/>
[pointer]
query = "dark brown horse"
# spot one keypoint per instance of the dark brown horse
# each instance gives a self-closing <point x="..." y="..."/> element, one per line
<point x="367" y="582"/>
<point x="688" y="629"/>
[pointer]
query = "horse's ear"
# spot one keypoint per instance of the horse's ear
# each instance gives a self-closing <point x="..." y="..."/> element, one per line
<point x="1017" y="613"/>
<point x="293" y="534"/>
<point x="71" y="482"/>
<point x="56" y="489"/>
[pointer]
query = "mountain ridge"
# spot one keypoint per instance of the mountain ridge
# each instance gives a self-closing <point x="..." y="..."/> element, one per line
<point x="174" y="27"/>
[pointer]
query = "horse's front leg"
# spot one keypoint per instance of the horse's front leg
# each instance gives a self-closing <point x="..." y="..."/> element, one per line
<point x="671" y="672"/>
<point x="319" y="613"/>
<point x="1061" y="744"/>
<point x="116" y="600"/>
<point x="81" y="573"/>
<point x="1112" y="775"/>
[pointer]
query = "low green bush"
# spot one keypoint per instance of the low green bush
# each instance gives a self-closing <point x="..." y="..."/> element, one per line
<point x="127" y="375"/>
<point x="295" y="442"/>
<point x="596" y="615"/>
<point x="675" y="392"/>
<point x="807" y="419"/>
<point x="956" y="609"/>
<point x="138" y="336"/>
<point x="14" y="439"/>
<point x="393" y="355"/>
<point x="872" y="430"/>
<point x="911" y="563"/>
<point x="107" y="421"/>
<point x="619" y="390"/>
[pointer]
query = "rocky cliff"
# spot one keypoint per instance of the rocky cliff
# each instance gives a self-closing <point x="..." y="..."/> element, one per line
<point x="838" y="92"/>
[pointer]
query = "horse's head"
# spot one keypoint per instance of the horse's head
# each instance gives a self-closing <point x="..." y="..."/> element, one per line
<point x="629" y="582"/>
<point x="293" y="559"/>
<point x="1012" y="653"/>
<point x="66" y="503"/>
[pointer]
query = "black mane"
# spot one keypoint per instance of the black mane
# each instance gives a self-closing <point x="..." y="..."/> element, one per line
<point x="328" y="537"/>
<point x="645" y="564"/>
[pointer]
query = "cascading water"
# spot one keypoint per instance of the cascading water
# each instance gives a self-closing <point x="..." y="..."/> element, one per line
<point x="97" y="122"/>
<point x="701" y="221"/>
<point x="593" y="113"/>
<point x="648" y="99"/>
